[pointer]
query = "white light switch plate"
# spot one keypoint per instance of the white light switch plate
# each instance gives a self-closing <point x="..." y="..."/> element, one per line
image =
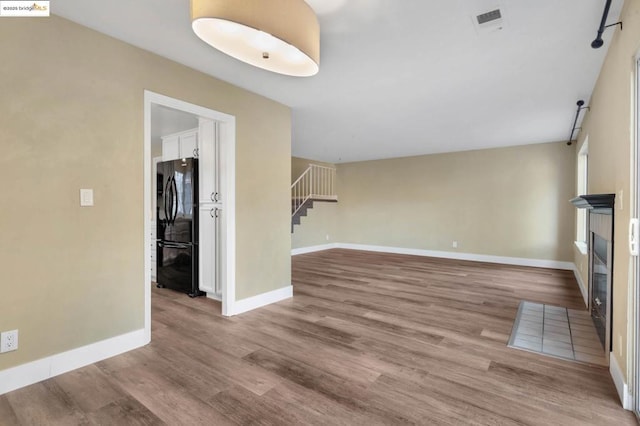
<point x="86" y="197"/>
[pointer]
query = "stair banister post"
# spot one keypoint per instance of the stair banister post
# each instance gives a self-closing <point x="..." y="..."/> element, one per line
<point x="311" y="188"/>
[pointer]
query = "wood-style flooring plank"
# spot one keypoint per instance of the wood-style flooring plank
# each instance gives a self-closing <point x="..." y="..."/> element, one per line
<point x="125" y="411"/>
<point x="7" y="414"/>
<point x="45" y="403"/>
<point x="368" y="339"/>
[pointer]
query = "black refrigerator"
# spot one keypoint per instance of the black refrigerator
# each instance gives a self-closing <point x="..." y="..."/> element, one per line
<point x="177" y="221"/>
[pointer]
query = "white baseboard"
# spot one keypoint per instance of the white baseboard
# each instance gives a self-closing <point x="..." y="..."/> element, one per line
<point x="261" y="300"/>
<point x="311" y="249"/>
<point x="583" y="288"/>
<point x="214" y="296"/>
<point x="621" y="386"/>
<point x="45" y="368"/>
<point x="538" y="263"/>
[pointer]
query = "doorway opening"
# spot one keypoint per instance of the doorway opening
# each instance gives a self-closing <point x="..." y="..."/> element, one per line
<point x="168" y="120"/>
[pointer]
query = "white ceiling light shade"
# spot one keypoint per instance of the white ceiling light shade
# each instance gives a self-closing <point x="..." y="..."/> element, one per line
<point x="282" y="36"/>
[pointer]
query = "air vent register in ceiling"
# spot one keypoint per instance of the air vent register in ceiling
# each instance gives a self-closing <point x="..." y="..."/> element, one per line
<point x="489" y="16"/>
<point x="489" y="21"/>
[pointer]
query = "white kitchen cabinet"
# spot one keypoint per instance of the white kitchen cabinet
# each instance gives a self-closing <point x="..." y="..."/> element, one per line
<point x="210" y="208"/>
<point x="189" y="145"/>
<point x="209" y="183"/>
<point x="208" y="246"/>
<point x="180" y="145"/>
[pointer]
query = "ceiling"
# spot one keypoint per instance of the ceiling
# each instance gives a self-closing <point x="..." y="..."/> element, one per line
<point x="401" y="78"/>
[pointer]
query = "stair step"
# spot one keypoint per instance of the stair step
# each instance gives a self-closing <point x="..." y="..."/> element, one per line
<point x="295" y="219"/>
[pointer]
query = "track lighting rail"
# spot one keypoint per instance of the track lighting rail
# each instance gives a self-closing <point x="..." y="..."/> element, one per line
<point x="598" y="42"/>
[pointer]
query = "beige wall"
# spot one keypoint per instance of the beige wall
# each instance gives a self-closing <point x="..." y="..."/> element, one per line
<point x="502" y="202"/>
<point x="72" y="117"/>
<point x="609" y="125"/>
<point x="319" y="227"/>
<point x="156" y="148"/>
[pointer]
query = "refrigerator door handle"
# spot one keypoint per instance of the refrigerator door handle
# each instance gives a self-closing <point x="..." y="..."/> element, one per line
<point x="175" y="194"/>
<point x="166" y="200"/>
<point x="170" y="197"/>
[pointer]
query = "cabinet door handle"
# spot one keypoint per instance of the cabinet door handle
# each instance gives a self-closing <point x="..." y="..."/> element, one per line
<point x="634" y="241"/>
<point x="214" y="213"/>
<point x="196" y="151"/>
<point x="215" y="197"/>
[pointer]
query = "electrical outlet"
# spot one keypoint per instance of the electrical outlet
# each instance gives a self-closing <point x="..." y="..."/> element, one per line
<point x="455" y="244"/>
<point x="327" y="237"/>
<point x="9" y="341"/>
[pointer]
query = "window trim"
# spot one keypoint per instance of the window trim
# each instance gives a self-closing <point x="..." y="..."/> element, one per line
<point x="582" y="185"/>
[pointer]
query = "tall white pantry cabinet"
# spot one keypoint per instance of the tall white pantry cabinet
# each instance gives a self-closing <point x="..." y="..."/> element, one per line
<point x="211" y="207"/>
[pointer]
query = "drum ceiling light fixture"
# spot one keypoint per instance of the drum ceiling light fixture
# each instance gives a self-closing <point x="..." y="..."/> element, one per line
<point x="282" y="36"/>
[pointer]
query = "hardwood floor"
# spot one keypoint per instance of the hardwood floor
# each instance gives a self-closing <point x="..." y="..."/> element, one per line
<point x="367" y="339"/>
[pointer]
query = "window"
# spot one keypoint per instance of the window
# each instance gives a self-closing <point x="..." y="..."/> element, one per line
<point x="581" y="222"/>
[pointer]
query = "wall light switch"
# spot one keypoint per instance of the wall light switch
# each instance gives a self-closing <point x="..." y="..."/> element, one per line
<point x="86" y="197"/>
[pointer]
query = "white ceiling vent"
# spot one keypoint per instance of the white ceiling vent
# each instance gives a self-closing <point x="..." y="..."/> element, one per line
<point x="489" y="21"/>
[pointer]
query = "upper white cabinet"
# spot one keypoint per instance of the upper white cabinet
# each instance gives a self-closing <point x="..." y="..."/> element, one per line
<point x="189" y="145"/>
<point x="209" y="162"/>
<point x="180" y="145"/>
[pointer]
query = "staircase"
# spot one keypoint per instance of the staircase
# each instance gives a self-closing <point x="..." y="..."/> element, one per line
<point x="317" y="183"/>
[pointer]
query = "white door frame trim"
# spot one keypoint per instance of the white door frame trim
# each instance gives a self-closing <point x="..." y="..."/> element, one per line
<point x="633" y="299"/>
<point x="228" y="183"/>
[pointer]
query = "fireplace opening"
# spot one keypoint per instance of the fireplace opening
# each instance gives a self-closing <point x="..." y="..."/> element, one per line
<point x="600" y="278"/>
<point x="600" y="225"/>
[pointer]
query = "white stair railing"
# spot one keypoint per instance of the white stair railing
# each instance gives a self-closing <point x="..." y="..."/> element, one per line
<point x="317" y="183"/>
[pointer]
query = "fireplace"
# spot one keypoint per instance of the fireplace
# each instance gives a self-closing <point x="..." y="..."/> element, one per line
<point x="600" y="241"/>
